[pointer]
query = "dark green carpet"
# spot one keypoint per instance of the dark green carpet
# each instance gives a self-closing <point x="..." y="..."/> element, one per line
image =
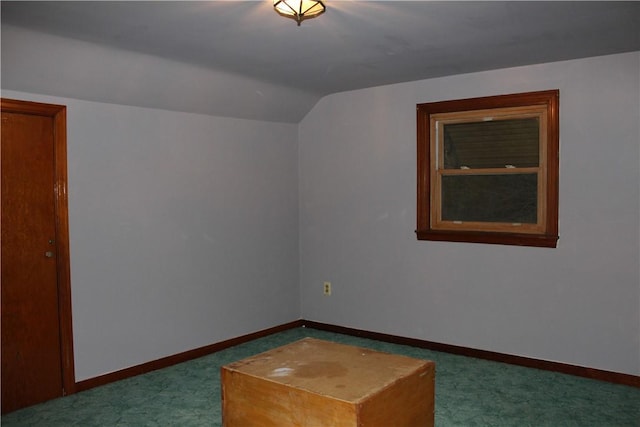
<point x="469" y="392"/>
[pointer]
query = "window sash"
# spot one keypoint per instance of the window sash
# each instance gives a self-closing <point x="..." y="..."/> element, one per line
<point x="438" y="169"/>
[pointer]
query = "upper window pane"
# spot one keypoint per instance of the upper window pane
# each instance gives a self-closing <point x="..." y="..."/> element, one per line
<point x="492" y="144"/>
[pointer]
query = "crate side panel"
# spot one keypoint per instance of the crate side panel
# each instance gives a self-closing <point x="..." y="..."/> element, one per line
<point x="407" y="402"/>
<point x="251" y="401"/>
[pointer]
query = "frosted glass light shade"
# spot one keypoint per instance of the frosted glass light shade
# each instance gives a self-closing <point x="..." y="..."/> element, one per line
<point x="299" y="10"/>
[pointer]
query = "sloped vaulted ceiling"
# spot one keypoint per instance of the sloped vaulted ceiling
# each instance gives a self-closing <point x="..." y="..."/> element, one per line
<point x="241" y="59"/>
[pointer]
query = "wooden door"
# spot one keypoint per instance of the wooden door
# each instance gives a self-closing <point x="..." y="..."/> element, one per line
<point x="36" y="350"/>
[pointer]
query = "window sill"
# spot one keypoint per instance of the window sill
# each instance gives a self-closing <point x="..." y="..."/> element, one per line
<point x="537" y="240"/>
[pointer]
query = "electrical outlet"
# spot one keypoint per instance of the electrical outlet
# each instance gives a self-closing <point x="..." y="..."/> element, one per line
<point x="327" y="288"/>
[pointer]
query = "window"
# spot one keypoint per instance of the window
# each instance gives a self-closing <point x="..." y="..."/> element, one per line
<point x="488" y="170"/>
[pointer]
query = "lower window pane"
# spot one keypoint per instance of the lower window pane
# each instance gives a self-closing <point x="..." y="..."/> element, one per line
<point x="508" y="198"/>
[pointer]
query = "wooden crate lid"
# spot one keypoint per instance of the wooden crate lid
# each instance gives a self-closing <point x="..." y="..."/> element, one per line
<point x="340" y="371"/>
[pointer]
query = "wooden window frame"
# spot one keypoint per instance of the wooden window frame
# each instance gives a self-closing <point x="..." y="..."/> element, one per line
<point x="430" y="226"/>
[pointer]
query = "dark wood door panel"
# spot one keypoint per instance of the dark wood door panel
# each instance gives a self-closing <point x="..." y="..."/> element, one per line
<point x="32" y="365"/>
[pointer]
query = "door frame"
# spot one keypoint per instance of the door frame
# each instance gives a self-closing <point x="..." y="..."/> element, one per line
<point x="58" y="113"/>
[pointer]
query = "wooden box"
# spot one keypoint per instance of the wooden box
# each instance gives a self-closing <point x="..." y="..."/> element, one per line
<point x="319" y="383"/>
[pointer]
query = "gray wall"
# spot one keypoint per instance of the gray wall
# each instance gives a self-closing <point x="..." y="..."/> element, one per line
<point x="576" y="304"/>
<point x="183" y="230"/>
<point x="187" y="230"/>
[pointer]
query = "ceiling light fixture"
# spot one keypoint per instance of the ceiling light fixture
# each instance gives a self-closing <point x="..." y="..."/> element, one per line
<point x="299" y="10"/>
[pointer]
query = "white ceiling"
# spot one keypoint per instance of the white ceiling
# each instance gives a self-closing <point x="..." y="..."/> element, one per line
<point x="355" y="44"/>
